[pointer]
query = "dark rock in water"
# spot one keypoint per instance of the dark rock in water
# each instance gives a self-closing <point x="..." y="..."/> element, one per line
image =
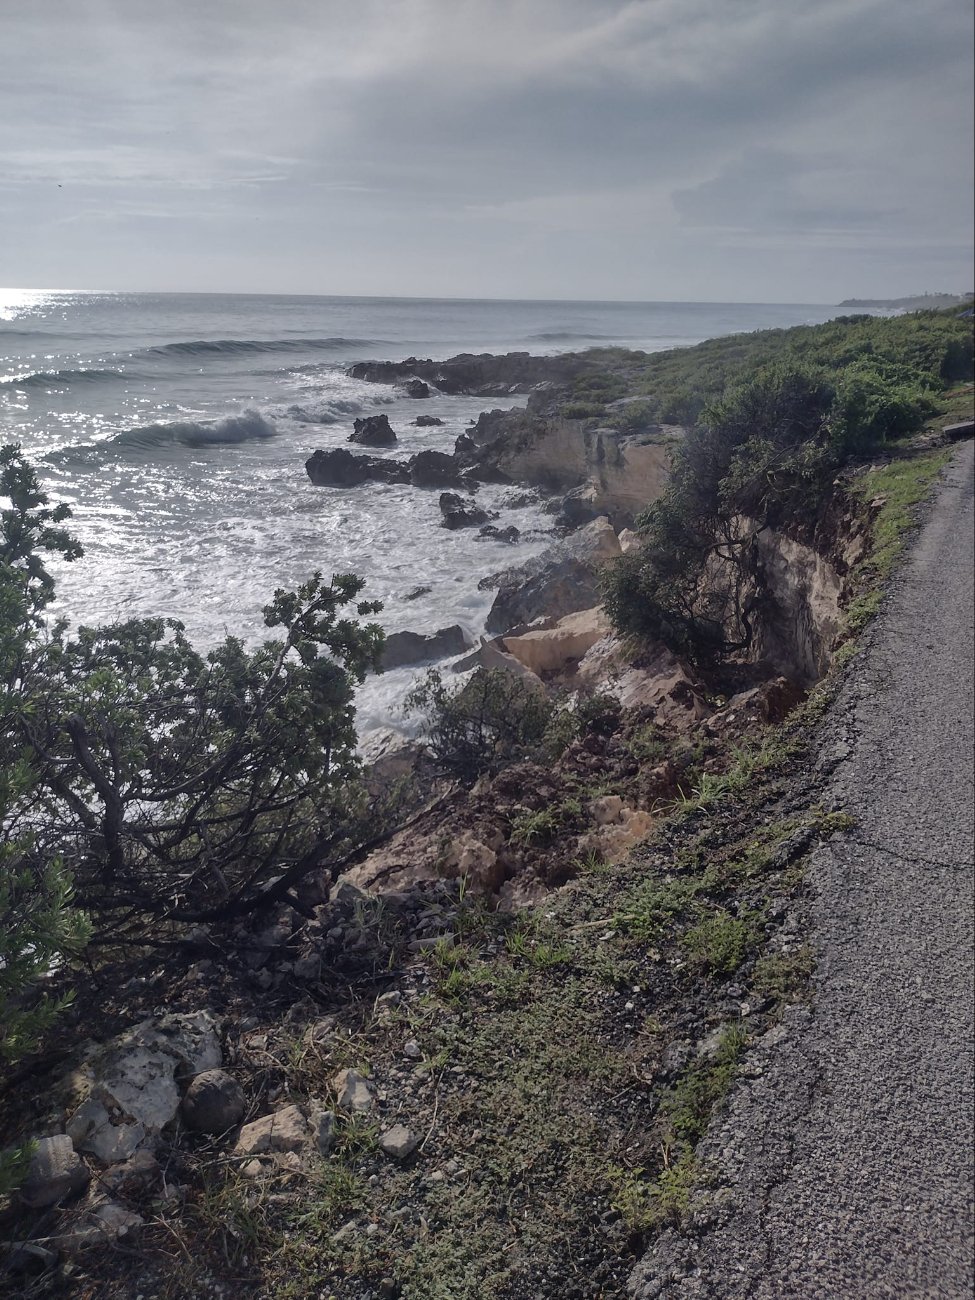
<point x="435" y="469"/>
<point x="340" y="468"/>
<point x="464" y="445"/>
<point x="373" y="431"/>
<point x="509" y="534"/>
<point x="417" y="592"/>
<point x="404" y="648"/>
<point x="460" y="512"/>
<point x="484" y="373"/>
<point x="417" y="388"/>
<point x="427" y="421"/>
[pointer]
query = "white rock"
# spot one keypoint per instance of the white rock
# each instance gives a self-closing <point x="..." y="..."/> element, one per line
<point x="352" y="1092"/>
<point x="283" y="1130"/>
<point x="398" y="1142"/>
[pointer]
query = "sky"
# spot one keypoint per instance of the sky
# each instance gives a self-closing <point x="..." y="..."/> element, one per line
<point x="708" y="150"/>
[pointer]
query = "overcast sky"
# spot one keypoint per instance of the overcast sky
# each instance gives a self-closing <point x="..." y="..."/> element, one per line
<point x="722" y="150"/>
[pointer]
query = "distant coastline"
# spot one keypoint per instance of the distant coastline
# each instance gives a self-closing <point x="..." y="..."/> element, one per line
<point x="919" y="302"/>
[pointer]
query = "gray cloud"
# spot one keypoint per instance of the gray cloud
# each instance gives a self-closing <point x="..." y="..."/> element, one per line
<point x="562" y="147"/>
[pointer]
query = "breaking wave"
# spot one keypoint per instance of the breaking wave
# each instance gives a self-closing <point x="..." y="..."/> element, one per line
<point x="566" y="336"/>
<point x="61" y="378"/>
<point x="193" y="433"/>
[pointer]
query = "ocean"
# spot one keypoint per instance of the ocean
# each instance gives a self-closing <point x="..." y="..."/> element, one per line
<point x="176" y="426"/>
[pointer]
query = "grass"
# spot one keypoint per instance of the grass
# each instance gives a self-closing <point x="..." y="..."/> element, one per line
<point x="686" y="1108"/>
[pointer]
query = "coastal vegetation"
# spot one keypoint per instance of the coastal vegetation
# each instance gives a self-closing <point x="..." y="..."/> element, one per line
<point x="471" y="1099"/>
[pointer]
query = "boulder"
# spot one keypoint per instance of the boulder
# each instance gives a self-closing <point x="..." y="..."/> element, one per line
<point x="283" y="1130"/>
<point x="460" y="512"/>
<point x="430" y="468"/>
<point x="427" y="421"/>
<point x="213" y="1103"/>
<point x="508" y="535"/>
<point x="578" y="507"/>
<point x="338" y="467"/>
<point x="562" y="580"/>
<point x="417" y="388"/>
<point x="404" y="648"/>
<point x="549" y="650"/>
<point x="373" y="431"/>
<point x="56" y="1173"/>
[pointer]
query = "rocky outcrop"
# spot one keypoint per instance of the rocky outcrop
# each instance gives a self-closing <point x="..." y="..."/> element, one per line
<point x="430" y="468"/>
<point x="340" y="468"/>
<point x="562" y="580"/>
<point x="800" y="614"/>
<point x="602" y="471"/>
<point x="508" y="535"/>
<point x="427" y="422"/>
<point x="402" y="649"/>
<point x="416" y="388"/>
<point x="133" y="1083"/>
<point x="460" y="512"/>
<point x="482" y="374"/>
<point x="373" y="431"/>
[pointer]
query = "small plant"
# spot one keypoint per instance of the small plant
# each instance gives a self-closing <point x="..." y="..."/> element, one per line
<point x="783" y="976"/>
<point x="686" y="1108"/>
<point x="720" y="942"/>
<point x="645" y="1204"/>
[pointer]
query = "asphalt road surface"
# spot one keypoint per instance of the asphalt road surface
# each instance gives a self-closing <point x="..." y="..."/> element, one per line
<point x="845" y="1159"/>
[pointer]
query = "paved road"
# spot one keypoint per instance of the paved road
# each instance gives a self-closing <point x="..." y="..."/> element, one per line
<point x="846" y="1159"/>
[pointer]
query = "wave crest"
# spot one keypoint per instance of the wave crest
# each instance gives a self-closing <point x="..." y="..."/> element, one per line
<point x="203" y="347"/>
<point x="46" y="378"/>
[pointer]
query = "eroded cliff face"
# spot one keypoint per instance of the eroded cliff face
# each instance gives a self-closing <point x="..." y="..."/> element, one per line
<point x="801" y="615"/>
<point x="608" y="472"/>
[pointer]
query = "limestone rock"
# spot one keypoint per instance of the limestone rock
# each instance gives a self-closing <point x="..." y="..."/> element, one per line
<point x="213" y="1103"/>
<point x="507" y="535"/>
<point x="283" y="1130"/>
<point x="322" y="1124"/>
<point x="352" y="1092"/>
<point x="551" y="649"/>
<point x="431" y="468"/>
<point x="562" y="580"/>
<point x="417" y="388"/>
<point x="105" y="1224"/>
<point x="398" y="1142"/>
<point x="56" y="1173"/>
<point x="373" y="431"/>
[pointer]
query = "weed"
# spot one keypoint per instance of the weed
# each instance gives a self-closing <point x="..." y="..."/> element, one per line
<point x="646" y="1204"/>
<point x="686" y="1108"/>
<point x="783" y="976"/>
<point x="720" y="942"/>
<point x="653" y="905"/>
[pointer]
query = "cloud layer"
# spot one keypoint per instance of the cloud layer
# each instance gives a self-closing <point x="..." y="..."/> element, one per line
<point x="658" y="149"/>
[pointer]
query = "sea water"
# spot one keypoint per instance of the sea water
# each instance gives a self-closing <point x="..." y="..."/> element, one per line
<point x="176" y="426"/>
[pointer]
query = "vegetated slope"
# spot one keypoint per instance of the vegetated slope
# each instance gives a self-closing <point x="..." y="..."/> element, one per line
<point x="553" y="1069"/>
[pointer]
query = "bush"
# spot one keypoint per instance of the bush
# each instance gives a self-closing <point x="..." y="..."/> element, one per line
<point x="176" y="786"/>
<point x="496" y="719"/>
<point x="492" y="720"/>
